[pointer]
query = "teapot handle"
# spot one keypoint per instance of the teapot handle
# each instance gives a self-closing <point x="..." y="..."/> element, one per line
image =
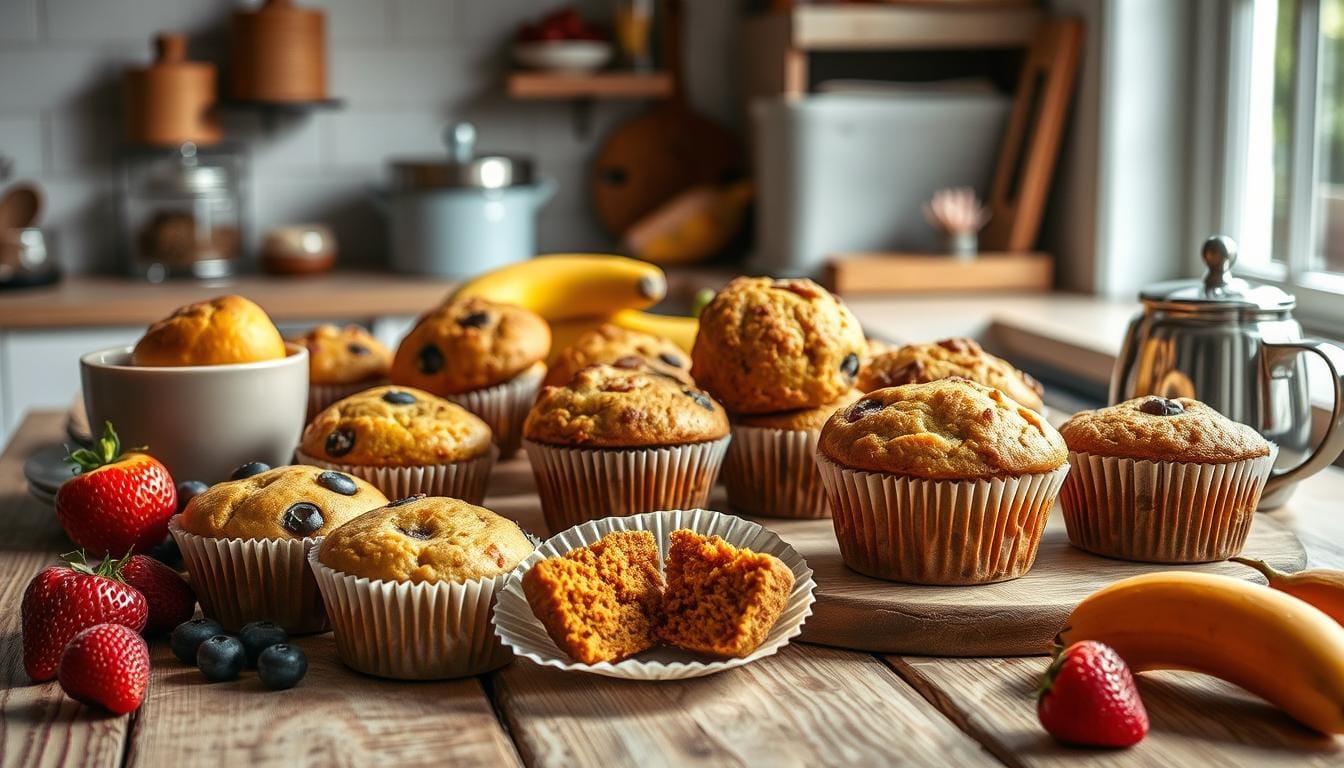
<point x="1332" y="442"/>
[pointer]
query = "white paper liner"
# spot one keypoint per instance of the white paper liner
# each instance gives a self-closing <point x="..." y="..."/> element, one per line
<point x="524" y="633"/>
<point x="773" y="473"/>
<point x="1162" y="511"/>
<point x="406" y="631"/>
<point x="243" y="580"/>
<point x="322" y="395"/>
<point x="951" y="532"/>
<point x="581" y="484"/>
<point x="504" y="406"/>
<point x="464" y="480"/>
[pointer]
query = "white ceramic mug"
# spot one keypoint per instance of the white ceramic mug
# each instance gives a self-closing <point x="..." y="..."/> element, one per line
<point x="201" y="421"/>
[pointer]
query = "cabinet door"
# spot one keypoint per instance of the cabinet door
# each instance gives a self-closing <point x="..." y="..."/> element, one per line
<point x="40" y="368"/>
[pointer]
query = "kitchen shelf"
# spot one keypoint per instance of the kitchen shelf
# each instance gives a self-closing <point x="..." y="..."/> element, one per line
<point x="855" y="273"/>
<point x="594" y="85"/>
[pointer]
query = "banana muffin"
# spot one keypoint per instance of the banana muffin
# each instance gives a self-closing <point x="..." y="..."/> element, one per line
<point x="341" y="362"/>
<point x="222" y="331"/>
<point x="945" y="482"/>
<point x="919" y="363"/>
<point x="611" y="344"/>
<point x="1162" y="480"/>
<point x="769" y="345"/>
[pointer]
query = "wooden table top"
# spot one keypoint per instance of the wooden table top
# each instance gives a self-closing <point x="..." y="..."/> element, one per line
<point x="808" y="706"/>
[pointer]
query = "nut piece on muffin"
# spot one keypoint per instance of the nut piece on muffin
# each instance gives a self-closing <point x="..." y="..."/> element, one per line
<point x="283" y="503"/>
<point x="919" y="363"/>
<point x="610" y="344"/>
<point x="349" y="355"/>
<point x="222" y="331"/>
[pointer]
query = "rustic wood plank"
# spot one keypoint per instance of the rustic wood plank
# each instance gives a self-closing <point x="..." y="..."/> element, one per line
<point x="1195" y="719"/>
<point x="589" y="85"/>
<point x="39" y="726"/>
<point x="806" y="706"/>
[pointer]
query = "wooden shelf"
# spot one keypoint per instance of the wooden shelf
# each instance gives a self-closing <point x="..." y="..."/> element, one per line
<point x="855" y="273"/>
<point x="872" y="27"/>
<point x="595" y="85"/>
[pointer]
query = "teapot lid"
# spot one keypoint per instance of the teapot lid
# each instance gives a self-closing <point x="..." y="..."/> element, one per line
<point x="463" y="167"/>
<point x="1219" y="290"/>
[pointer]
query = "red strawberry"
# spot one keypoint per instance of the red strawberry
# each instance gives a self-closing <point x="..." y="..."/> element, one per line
<point x="171" y="599"/>
<point x="107" y="665"/>
<point x="1088" y="698"/>
<point x="119" y="502"/>
<point x="64" y="599"/>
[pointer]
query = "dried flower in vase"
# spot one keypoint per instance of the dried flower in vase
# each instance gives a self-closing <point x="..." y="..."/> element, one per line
<point x="959" y="215"/>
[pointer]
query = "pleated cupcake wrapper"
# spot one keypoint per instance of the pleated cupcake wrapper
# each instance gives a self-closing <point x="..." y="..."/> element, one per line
<point x="243" y="580"/>
<point x="322" y="395"/>
<point x="524" y="633"/>
<point x="581" y="484"/>
<point x="421" y="631"/>
<point x="924" y="531"/>
<point x="504" y="406"/>
<point x="1162" y="511"/>
<point x="464" y="480"/>
<point x="773" y="473"/>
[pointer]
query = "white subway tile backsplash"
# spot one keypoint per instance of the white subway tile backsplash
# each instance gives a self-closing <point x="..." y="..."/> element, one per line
<point x="21" y="143"/>
<point x="290" y="144"/>
<point x="76" y="20"/>
<point x="363" y="20"/>
<point x="424" y="20"/>
<point x="84" y="141"/>
<point x="18" y="20"/>
<point x="368" y="138"/>
<point x="423" y="76"/>
<point x="59" y="76"/>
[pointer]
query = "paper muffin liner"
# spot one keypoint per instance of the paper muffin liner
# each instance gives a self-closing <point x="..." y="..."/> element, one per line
<point x="322" y="395"/>
<point x="243" y="580"/>
<point x="412" y="631"/>
<point x="1162" y="511"/>
<point x="464" y="480"/>
<point x="581" y="484"/>
<point x="950" y="532"/>
<point x="773" y="473"/>
<point x="524" y="633"/>
<point x="504" y="406"/>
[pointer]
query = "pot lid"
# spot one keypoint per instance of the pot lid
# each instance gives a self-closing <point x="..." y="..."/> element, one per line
<point x="1219" y="290"/>
<point x="463" y="168"/>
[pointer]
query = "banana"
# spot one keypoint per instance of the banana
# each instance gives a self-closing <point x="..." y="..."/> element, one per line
<point x="1270" y="643"/>
<point x="1321" y="587"/>
<point x="564" y="286"/>
<point x="681" y="330"/>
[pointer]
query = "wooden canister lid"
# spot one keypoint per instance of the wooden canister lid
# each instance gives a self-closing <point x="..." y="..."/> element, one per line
<point x="169" y="101"/>
<point x="277" y="53"/>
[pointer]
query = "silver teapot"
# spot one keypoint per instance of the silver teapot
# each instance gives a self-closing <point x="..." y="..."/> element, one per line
<point x="1237" y="348"/>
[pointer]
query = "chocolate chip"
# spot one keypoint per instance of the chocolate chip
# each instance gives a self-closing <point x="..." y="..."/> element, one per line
<point x="863" y="408"/>
<point x="249" y="469"/>
<point x="340" y="441"/>
<point x="475" y="320"/>
<point x="406" y="500"/>
<point x="337" y="482"/>
<point x="397" y="397"/>
<point x="1161" y="406"/>
<point x="671" y="359"/>
<point x="912" y="372"/>
<point x="850" y="365"/>
<point x="700" y="398"/>
<point x="416" y="532"/>
<point x="430" y="359"/>
<point x="629" y="362"/>
<point x="357" y="349"/>
<point x="302" y="518"/>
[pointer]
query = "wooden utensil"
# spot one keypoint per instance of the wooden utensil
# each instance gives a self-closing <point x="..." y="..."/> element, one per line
<point x="278" y="53"/>
<point x="20" y="206"/>
<point x="649" y="159"/>
<point x="169" y="102"/>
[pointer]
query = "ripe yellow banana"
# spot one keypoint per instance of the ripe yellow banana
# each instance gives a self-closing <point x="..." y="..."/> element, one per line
<point x="564" y="286"/>
<point x="681" y="330"/>
<point x="1270" y="643"/>
<point x="1321" y="587"/>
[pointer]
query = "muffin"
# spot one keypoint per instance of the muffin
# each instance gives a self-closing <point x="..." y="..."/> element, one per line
<point x="918" y="363"/>
<point x="341" y="362"/>
<point x="611" y="344"/>
<point x="245" y="541"/>
<point x="221" y="331"/>
<point x="766" y="346"/>
<point x="1163" y="481"/>
<point x="946" y="482"/>
<point x="617" y="441"/>
<point x="487" y="357"/>
<point x="410" y="587"/>
<point x="404" y="441"/>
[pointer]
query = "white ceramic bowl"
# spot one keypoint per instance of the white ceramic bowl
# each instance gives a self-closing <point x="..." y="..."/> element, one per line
<point x="563" y="55"/>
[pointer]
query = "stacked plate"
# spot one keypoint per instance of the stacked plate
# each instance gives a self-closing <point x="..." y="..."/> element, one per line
<point x="46" y="470"/>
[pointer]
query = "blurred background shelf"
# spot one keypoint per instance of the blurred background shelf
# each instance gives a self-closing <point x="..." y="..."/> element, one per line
<point x="595" y="85"/>
<point x="855" y="273"/>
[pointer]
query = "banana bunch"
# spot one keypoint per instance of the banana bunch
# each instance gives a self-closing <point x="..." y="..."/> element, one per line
<point x="576" y="292"/>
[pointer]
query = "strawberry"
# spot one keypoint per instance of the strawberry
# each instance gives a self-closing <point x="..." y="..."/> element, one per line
<point x="64" y="599"/>
<point x="171" y="599"/>
<point x="1088" y="698"/>
<point x="107" y="665"/>
<point x="119" y="502"/>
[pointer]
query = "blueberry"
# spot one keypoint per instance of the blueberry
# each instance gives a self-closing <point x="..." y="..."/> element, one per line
<point x="406" y="500"/>
<point x="249" y="469"/>
<point x="220" y="658"/>
<point x="850" y="365"/>
<point x="397" y="397"/>
<point x="863" y="408"/>
<point x="430" y="359"/>
<point x="1161" y="406"/>
<point x="338" y="482"/>
<point x="671" y="359"/>
<point x="188" y="490"/>
<point x="282" y="666"/>
<point x="340" y="441"/>
<point x="474" y="320"/>
<point x="188" y="635"/>
<point x="700" y="398"/>
<point x="257" y="636"/>
<point x="357" y="349"/>
<point x="302" y="518"/>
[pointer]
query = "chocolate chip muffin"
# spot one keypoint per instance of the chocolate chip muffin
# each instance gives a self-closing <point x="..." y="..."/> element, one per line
<point x="487" y="357"/>
<point x="222" y="331"/>
<point x="918" y="363"/>
<point x="1159" y="480"/>
<point x="616" y="441"/>
<point x="770" y="345"/>
<point x="341" y="362"/>
<point x="946" y="482"/>
<point x="404" y="441"/>
<point x="612" y="345"/>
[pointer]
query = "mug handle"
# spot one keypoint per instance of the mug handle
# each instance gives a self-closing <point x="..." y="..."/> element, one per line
<point x="1332" y="442"/>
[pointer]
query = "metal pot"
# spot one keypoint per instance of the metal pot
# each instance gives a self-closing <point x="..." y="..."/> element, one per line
<point x="465" y="214"/>
<point x="1237" y="348"/>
